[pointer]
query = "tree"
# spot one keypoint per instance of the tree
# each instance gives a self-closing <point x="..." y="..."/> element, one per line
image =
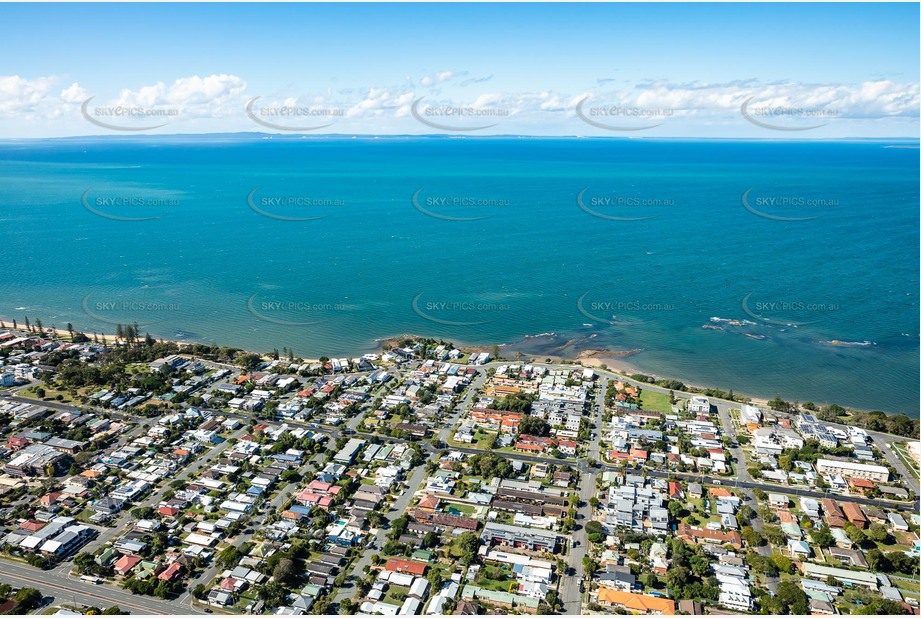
<point x="466" y="546"/>
<point x="877" y="532"/>
<point x="248" y="361"/>
<point x="533" y="426"/>
<point x="752" y="536"/>
<point x="675" y="508"/>
<point x="774" y="535"/>
<point x="783" y="564"/>
<point x="793" y="597"/>
<point x="285" y="571"/>
<point x="27" y="599"/>
<point x="822" y="536"/>
<point x="878" y="561"/>
<point x="677" y="577"/>
<point x="700" y="565"/>
<point x="229" y="556"/>
<point x="273" y="593"/>
<point x="490" y="464"/>
<point x="854" y="533"/>
<point x="398" y="527"/>
<point x="760" y="564"/>
<point x="589" y="566"/>
<point x="115" y="610"/>
<point x="903" y="563"/>
<point x="430" y="540"/>
<point x="552" y="599"/>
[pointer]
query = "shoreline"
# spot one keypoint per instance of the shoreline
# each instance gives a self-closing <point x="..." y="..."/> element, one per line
<point x="594" y="358"/>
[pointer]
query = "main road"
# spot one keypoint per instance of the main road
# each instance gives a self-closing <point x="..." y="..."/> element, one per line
<point x="571" y="581"/>
<point x="66" y="589"/>
<point x="396" y="510"/>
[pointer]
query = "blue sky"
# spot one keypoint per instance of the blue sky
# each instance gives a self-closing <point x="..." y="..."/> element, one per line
<point x="640" y="70"/>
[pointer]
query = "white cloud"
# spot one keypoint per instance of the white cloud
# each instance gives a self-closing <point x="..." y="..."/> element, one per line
<point x="192" y="96"/>
<point x="437" y="78"/>
<point x="22" y="95"/>
<point x="74" y="94"/>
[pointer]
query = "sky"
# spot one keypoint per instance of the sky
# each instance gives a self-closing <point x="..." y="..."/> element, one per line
<point x="773" y="71"/>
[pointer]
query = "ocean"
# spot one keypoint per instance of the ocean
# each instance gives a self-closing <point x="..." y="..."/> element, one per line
<point x="768" y="267"/>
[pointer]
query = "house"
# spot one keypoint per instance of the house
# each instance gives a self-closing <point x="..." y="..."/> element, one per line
<point x="848" y="556"/>
<point x="778" y="501"/>
<point x="833" y="513"/>
<point x="406" y="566"/>
<point x="857" y="578"/>
<point x="854" y="514"/>
<point x="124" y="564"/>
<point x="635" y="603"/>
<point x="171" y="572"/>
<point x="898" y="522"/>
<point x="507" y="600"/>
<point x="799" y="549"/>
<point x="697" y="535"/>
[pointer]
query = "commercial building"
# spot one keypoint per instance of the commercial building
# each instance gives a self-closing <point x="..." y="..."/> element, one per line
<point x="879" y="474"/>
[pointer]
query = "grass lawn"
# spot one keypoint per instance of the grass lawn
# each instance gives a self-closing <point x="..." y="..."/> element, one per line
<point x="659" y="402"/>
<point x="908" y="461"/>
<point x="905" y="586"/>
<point x="390" y="598"/>
<point x="494" y="577"/>
<point x="698" y="511"/>
<point x="245" y="599"/>
<point x="134" y="368"/>
<point x="50" y="394"/>
<point x="484" y="439"/>
<point x="465" y="509"/>
<point x="85" y="515"/>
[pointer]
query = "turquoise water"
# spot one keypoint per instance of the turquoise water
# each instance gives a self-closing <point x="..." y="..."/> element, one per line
<point x="496" y="246"/>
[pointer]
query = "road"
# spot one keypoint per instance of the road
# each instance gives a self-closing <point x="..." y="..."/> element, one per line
<point x="470" y="394"/>
<point x="570" y="594"/>
<point x="397" y="509"/>
<point x="570" y="584"/>
<point x="244" y="537"/>
<point x="67" y="589"/>
<point x="120" y="525"/>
